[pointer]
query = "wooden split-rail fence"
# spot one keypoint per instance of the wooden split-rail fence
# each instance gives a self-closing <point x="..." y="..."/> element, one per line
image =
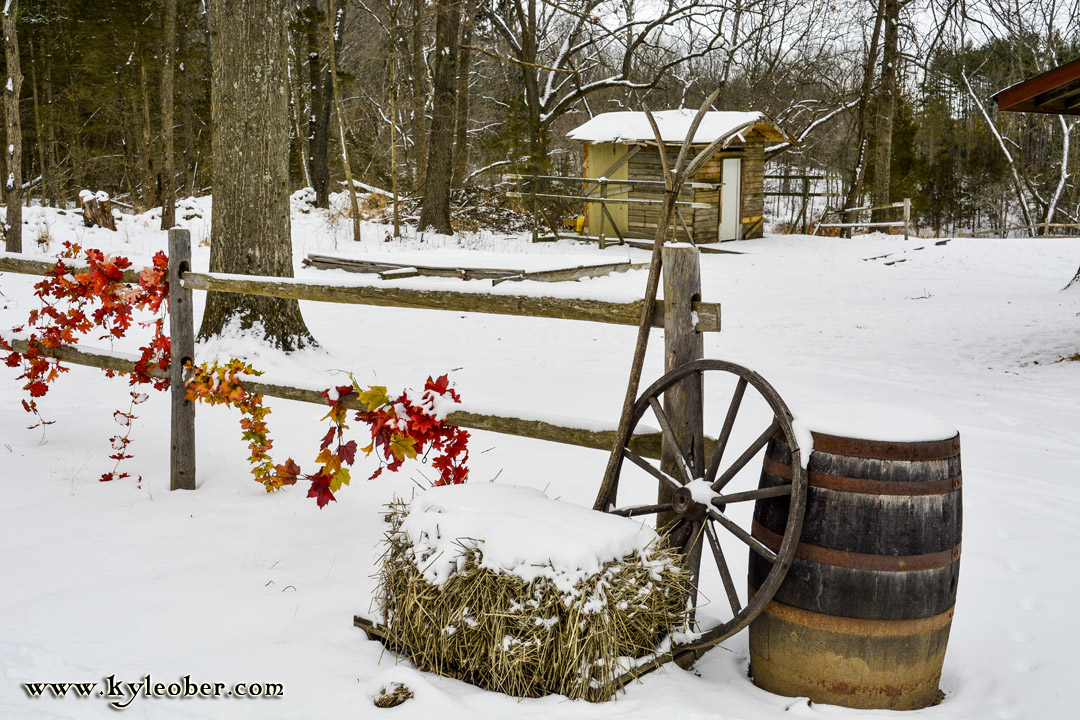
<point x="682" y="315"/>
<point x="903" y="205"/>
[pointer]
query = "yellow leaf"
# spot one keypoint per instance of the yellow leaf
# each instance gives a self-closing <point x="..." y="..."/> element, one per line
<point x="375" y="397"/>
<point x="402" y="446"/>
<point x="341" y="477"/>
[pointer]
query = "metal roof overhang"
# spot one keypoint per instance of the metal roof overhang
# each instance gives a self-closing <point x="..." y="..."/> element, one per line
<point x="1056" y="92"/>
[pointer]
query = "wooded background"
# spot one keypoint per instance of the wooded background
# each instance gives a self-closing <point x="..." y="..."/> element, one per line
<point x="890" y="96"/>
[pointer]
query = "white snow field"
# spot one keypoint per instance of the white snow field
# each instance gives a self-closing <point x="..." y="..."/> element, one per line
<point x="229" y="584"/>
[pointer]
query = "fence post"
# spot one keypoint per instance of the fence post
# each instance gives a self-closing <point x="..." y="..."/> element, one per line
<point x="182" y="334"/>
<point x="683" y="403"/>
<point x="907" y="217"/>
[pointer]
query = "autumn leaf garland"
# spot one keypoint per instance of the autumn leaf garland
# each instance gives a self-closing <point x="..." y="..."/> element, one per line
<point x="75" y="301"/>
<point x="400" y="429"/>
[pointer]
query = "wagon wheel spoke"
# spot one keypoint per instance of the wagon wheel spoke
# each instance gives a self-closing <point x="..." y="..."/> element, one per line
<point x="747" y="456"/>
<point x="733" y="527"/>
<point x="722" y="566"/>
<point x="648" y="467"/>
<point x="678" y="533"/>
<point x="673" y="439"/>
<point x="692" y="551"/>
<point x="637" y="510"/>
<point x="725" y="432"/>
<point x="759" y="494"/>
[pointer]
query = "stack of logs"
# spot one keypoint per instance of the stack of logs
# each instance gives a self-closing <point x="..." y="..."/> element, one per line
<point x="97" y="209"/>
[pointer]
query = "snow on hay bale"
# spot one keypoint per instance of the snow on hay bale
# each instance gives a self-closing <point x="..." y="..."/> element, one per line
<point x="514" y="592"/>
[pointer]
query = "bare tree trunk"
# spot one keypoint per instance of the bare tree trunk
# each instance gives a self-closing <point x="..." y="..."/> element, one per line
<point x="299" y="112"/>
<point x="393" y="122"/>
<point x="530" y="76"/>
<point x="333" y="25"/>
<point x="321" y="103"/>
<point x="13" y="186"/>
<point x="435" y="210"/>
<point x="461" y="117"/>
<point x="886" y="109"/>
<point x="149" y="193"/>
<point x="1017" y="183"/>
<point x="190" y="153"/>
<point x="46" y="173"/>
<point x="168" y="161"/>
<point x="418" y="70"/>
<point x="861" y="120"/>
<point x="50" y="132"/>
<point x="250" y="231"/>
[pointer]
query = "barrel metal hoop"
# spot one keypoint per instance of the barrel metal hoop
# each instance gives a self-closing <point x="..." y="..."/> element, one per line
<point x="861" y="561"/>
<point x="887" y="450"/>
<point x="858" y="626"/>
<point x="868" y="487"/>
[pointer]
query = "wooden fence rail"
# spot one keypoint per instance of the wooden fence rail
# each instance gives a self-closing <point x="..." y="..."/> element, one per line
<point x="682" y="314"/>
<point x="644" y="444"/>
<point x="905" y="223"/>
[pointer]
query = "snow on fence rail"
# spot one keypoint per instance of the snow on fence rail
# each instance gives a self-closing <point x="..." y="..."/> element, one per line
<point x="708" y="314"/>
<point x="682" y="324"/>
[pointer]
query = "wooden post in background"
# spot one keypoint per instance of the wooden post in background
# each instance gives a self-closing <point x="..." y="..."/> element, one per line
<point x="907" y="217"/>
<point x="182" y="334"/>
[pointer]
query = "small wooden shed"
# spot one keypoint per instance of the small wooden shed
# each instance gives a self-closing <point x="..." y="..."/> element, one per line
<point x="729" y="196"/>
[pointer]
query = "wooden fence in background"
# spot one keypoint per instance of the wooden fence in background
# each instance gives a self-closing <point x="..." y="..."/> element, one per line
<point x="682" y="278"/>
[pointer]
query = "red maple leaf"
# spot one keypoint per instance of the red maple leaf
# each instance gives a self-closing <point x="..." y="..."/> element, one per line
<point x="347" y="452"/>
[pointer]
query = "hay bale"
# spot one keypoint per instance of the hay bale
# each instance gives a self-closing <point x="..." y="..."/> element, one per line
<point x="514" y="592"/>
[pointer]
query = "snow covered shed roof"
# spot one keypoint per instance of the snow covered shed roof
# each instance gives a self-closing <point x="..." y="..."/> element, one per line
<point x="630" y="127"/>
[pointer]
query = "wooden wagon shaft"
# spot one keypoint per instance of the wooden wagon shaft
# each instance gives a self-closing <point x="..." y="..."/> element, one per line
<point x="644" y="444"/>
<point x="523" y="305"/>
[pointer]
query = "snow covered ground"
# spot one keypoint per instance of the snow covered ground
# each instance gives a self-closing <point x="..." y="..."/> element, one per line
<point x="229" y="584"/>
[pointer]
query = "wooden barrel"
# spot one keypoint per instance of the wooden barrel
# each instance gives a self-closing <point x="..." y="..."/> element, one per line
<point x="862" y="618"/>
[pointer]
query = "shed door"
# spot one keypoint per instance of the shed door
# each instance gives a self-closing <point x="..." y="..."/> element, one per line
<point x="730" y="214"/>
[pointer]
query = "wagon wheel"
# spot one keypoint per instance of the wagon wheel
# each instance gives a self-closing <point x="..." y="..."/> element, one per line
<point x="696" y="513"/>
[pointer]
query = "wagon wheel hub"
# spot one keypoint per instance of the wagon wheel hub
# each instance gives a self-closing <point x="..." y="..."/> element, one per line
<point x="684" y="504"/>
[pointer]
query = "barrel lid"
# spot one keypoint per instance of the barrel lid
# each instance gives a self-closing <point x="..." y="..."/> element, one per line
<point x="826" y="425"/>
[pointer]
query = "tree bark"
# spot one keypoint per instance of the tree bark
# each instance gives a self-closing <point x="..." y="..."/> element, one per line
<point x="13" y="186"/>
<point x="420" y="94"/>
<point x="861" y="121"/>
<point x="168" y="162"/>
<point x="50" y="130"/>
<point x="299" y="112"/>
<point x="333" y="26"/>
<point x="435" y="210"/>
<point x="149" y="190"/>
<point x="319" y="119"/>
<point x="461" y="117"/>
<point x="886" y="109"/>
<point x="43" y="165"/>
<point x="250" y="232"/>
